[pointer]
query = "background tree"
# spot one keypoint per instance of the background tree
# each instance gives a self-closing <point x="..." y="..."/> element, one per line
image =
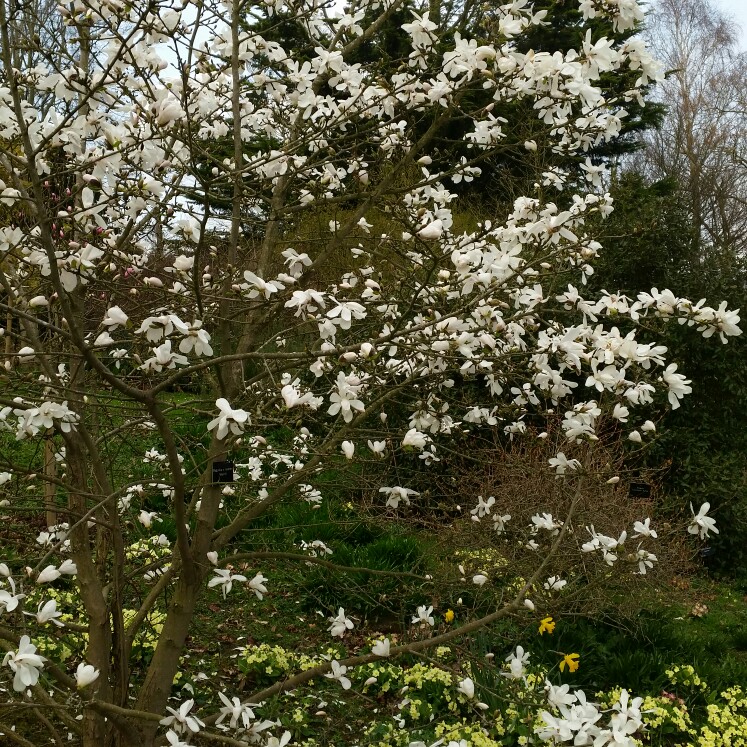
<point x="702" y="139"/>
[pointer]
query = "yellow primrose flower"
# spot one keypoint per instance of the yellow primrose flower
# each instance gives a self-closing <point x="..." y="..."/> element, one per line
<point x="547" y="625"/>
<point x="449" y="616"/>
<point x="571" y="661"/>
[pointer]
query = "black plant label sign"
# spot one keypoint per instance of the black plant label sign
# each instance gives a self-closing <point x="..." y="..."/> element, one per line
<point x="639" y="490"/>
<point x="222" y="472"/>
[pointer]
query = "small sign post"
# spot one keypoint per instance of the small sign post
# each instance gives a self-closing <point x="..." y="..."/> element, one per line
<point x="222" y="472"/>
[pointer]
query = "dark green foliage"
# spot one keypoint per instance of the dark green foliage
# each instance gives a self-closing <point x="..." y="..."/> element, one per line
<point x="379" y="598"/>
<point x="356" y="542"/>
<point x="651" y="242"/>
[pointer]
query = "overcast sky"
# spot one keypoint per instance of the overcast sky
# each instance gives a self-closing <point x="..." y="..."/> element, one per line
<point x="737" y="10"/>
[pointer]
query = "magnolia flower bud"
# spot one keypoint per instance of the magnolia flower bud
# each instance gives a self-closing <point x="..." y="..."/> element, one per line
<point x="85" y="675"/>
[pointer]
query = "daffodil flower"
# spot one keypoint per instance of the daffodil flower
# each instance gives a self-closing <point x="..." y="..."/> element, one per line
<point x="547" y="625"/>
<point x="570" y="661"/>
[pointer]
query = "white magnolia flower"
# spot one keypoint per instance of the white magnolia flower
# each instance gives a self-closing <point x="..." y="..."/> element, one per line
<point x="181" y="720"/>
<point x="643" y="529"/>
<point x="183" y="263"/>
<point x="197" y="340"/>
<point x="229" y="420"/>
<point x="306" y="302"/>
<point x="517" y="662"/>
<point x="348" y="449"/>
<point x="480" y="579"/>
<point x="701" y="524"/>
<point x="467" y="688"/>
<point x="345" y="312"/>
<point x="340" y="624"/>
<point x="338" y="673"/>
<point x="48" y="612"/>
<point x="103" y="340"/>
<point x="545" y="521"/>
<point x="424" y="616"/>
<point x="115" y="317"/>
<point x="236" y="711"/>
<point x="397" y="494"/>
<point x="378" y="447"/>
<point x="293" y="398"/>
<point x="257" y="585"/>
<point x="224" y="578"/>
<point x="157" y="327"/>
<point x="174" y="739"/>
<point x="499" y="523"/>
<point x="51" y="573"/>
<point x="85" y="674"/>
<point x="644" y="559"/>
<point x="9" y="599"/>
<point x="678" y="385"/>
<point x="561" y="463"/>
<point x="26" y="664"/>
<point x="381" y="648"/>
<point x="164" y="357"/>
<point x="432" y="232"/>
<point x="146" y="518"/>
<point x="345" y="400"/>
<point x="286" y="736"/>
<point x="483" y="507"/>
<point x="421" y="30"/>
<point x="415" y="438"/>
<point x="555" y="583"/>
<point x="559" y="695"/>
<point x="68" y="568"/>
<point x="621" y="413"/>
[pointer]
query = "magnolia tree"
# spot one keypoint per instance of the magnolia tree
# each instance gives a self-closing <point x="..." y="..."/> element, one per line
<point x="337" y="297"/>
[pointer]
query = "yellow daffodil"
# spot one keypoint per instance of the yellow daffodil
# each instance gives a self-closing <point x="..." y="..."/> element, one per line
<point x="571" y="661"/>
<point x="449" y="616"/>
<point x="547" y="625"/>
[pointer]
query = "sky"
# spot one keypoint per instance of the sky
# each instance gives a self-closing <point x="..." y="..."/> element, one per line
<point x="737" y="10"/>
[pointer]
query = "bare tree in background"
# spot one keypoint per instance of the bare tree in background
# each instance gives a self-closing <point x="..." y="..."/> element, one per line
<point x="703" y="140"/>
